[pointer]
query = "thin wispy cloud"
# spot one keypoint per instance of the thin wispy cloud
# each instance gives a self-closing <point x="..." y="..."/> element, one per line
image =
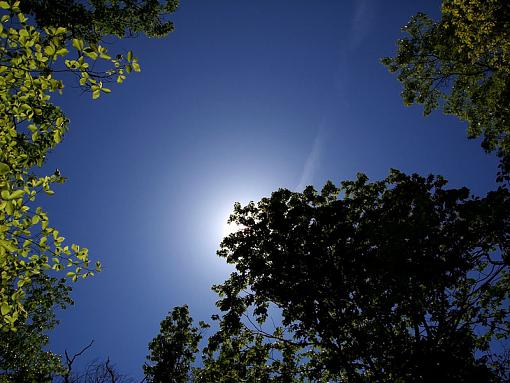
<point x="364" y="11"/>
<point x="312" y="162"/>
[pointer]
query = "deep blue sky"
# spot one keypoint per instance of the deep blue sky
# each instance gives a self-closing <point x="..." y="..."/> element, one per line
<point x="243" y="98"/>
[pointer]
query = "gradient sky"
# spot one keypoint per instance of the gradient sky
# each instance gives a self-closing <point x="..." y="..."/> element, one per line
<point x="243" y="98"/>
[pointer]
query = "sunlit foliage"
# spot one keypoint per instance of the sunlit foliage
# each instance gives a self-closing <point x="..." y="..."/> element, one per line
<point x="31" y="125"/>
<point x="461" y="64"/>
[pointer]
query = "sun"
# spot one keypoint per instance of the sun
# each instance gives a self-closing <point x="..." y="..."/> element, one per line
<point x="230" y="228"/>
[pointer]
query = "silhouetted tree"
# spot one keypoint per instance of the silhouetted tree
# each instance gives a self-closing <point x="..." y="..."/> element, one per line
<point x="23" y="357"/>
<point x="392" y="281"/>
<point x="92" y="20"/>
<point x="172" y="351"/>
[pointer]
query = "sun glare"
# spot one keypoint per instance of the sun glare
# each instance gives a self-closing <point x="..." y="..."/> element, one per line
<point x="230" y="228"/>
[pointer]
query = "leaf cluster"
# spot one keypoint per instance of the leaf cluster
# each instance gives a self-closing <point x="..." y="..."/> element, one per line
<point x="461" y="64"/>
<point x="31" y="126"/>
<point x="94" y="19"/>
<point x="172" y="351"/>
<point x="22" y="353"/>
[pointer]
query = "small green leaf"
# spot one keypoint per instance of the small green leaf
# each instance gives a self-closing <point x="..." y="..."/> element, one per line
<point x="22" y="18"/>
<point x="92" y="55"/>
<point x="62" y="52"/>
<point x="17" y="194"/>
<point x="4" y="5"/>
<point x="96" y="93"/>
<point x="9" y="208"/>
<point x="4" y="169"/>
<point x="78" y="44"/>
<point x="5" y="308"/>
<point x="49" y="50"/>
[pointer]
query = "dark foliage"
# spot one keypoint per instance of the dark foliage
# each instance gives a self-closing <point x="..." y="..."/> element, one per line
<point x="22" y="353"/>
<point x="93" y="19"/>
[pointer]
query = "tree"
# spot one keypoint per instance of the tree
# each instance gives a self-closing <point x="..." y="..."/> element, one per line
<point x="461" y="64"/>
<point x="391" y="281"/>
<point x="66" y="39"/>
<point x="92" y="20"/>
<point x="102" y="372"/>
<point x="95" y="372"/>
<point x="22" y="355"/>
<point x="172" y="351"/>
<point x="31" y="126"/>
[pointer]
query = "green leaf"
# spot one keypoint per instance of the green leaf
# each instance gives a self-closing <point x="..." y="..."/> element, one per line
<point x="62" y="52"/>
<point x="5" y="308"/>
<point x="78" y="44"/>
<point x="96" y="93"/>
<point x="17" y="194"/>
<point x="4" y="168"/>
<point x="9" y="208"/>
<point x="130" y="56"/>
<point x="4" y="5"/>
<point x="49" y="50"/>
<point x="91" y="54"/>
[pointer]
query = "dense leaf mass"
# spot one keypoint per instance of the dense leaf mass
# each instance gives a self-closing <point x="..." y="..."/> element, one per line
<point x="397" y="280"/>
<point x="461" y="64"/>
<point x="94" y="19"/>
<point x="172" y="351"/>
<point x="23" y="358"/>
<point x="42" y="43"/>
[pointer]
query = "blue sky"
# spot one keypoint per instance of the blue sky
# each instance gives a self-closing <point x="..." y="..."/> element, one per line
<point x="243" y="98"/>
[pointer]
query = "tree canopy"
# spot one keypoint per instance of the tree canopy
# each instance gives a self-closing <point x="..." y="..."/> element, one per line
<point x="44" y="43"/>
<point x="396" y="280"/>
<point x="23" y="358"/>
<point x="172" y="351"/>
<point x="31" y="125"/>
<point x="461" y="64"/>
<point x="94" y="19"/>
